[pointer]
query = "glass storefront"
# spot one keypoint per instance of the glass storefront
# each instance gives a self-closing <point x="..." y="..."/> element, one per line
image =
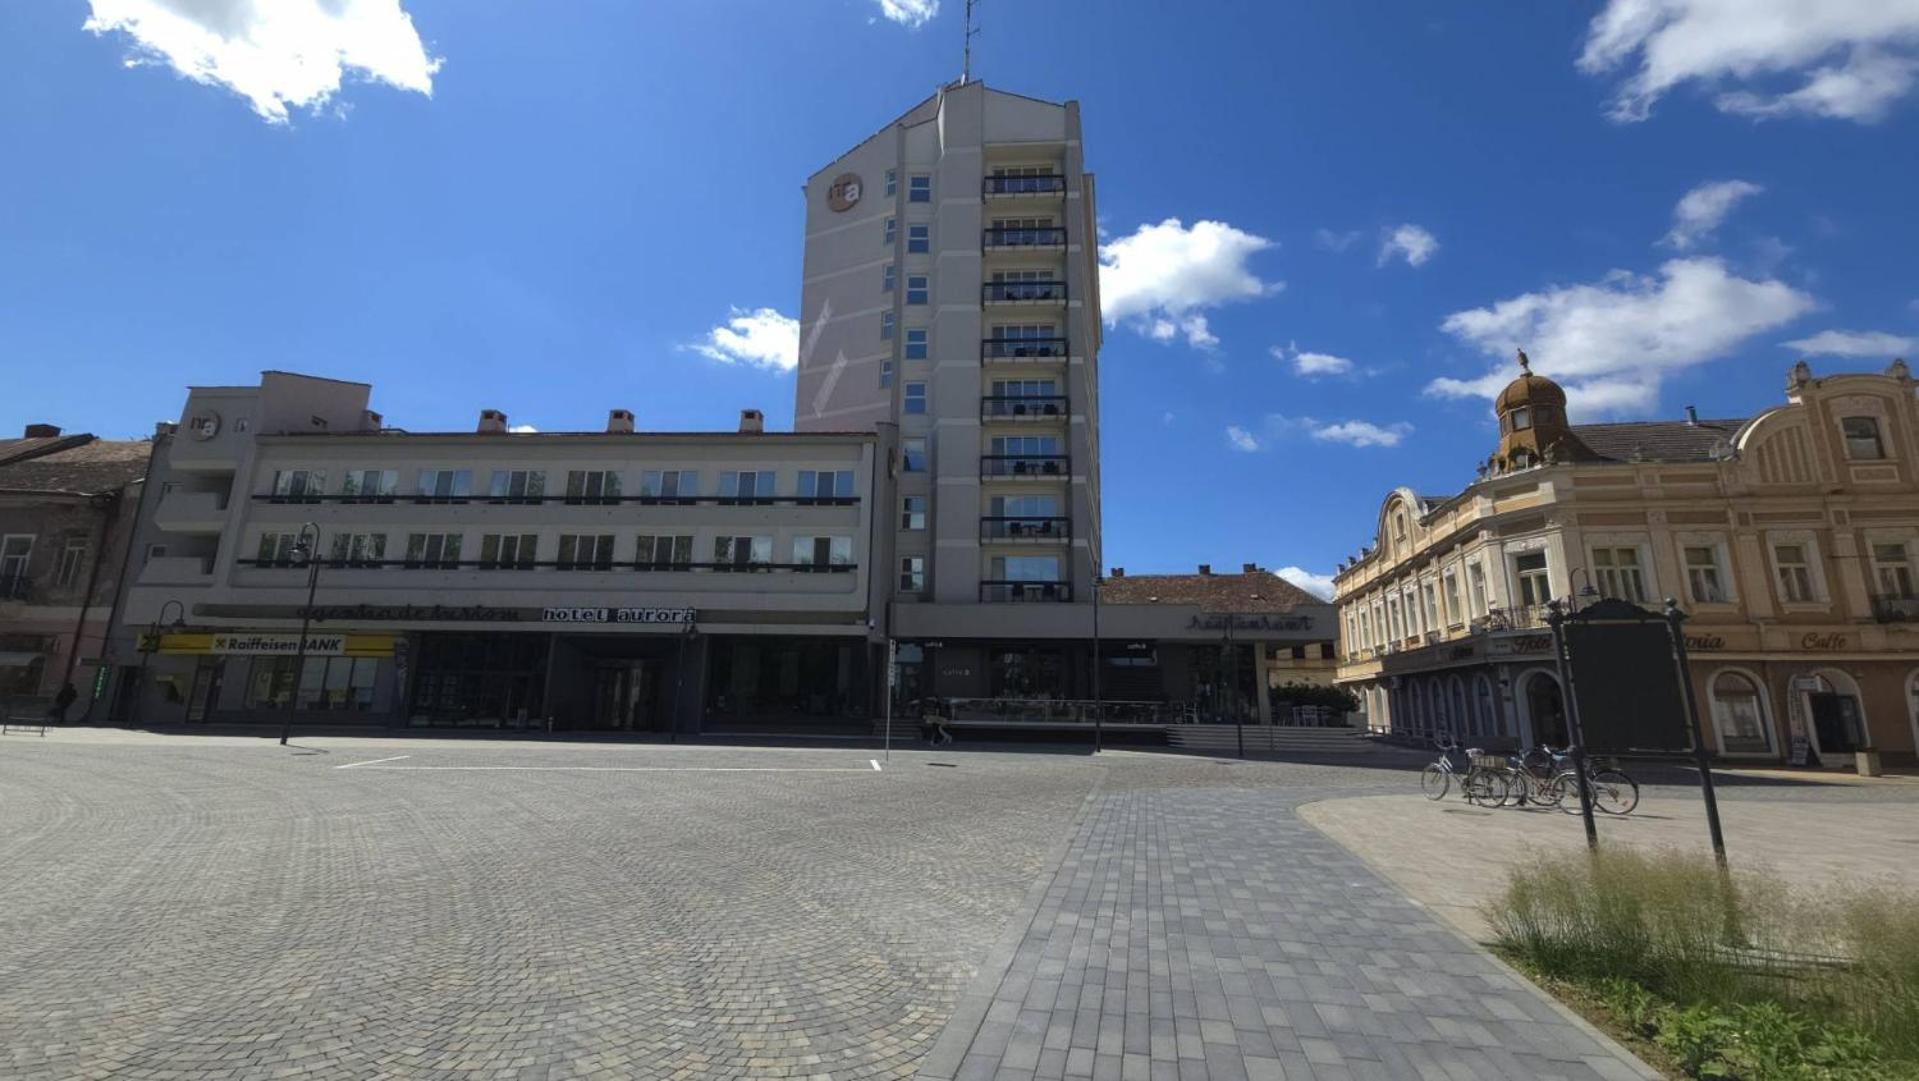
<point x="325" y="683"/>
<point x="786" y="678"/>
<point x="478" y="679"/>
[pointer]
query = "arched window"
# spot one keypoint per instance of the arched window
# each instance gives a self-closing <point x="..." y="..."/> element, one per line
<point x="1739" y="715"/>
<point x="1484" y="709"/>
<point x="1462" y="720"/>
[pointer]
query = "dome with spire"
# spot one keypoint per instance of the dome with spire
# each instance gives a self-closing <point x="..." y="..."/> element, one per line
<point x="1529" y="390"/>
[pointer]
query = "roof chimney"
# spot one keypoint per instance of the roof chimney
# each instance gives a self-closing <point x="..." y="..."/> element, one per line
<point x="1249" y="568"/>
<point x="372" y="421"/>
<point x="1119" y="572"/>
<point x="42" y="431"/>
<point x="1692" y="417"/>
<point x="619" y="420"/>
<point x="752" y="420"/>
<point x="1205" y="568"/>
<point x="492" y="422"/>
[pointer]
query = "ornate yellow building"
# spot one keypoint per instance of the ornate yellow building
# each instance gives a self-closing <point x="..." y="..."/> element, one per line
<point x="1790" y="539"/>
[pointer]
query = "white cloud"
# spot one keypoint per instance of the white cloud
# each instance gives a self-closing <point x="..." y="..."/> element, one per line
<point x="1409" y="242"/>
<point x="1853" y="58"/>
<point x="278" y="54"/>
<point x="1363" y="433"/>
<point x="1702" y="209"/>
<point x="1311" y="364"/>
<point x="1159" y="278"/>
<point x="1319" y="585"/>
<point x="523" y="429"/>
<point x="1335" y="242"/>
<point x="911" y="14"/>
<point x="1855" y="343"/>
<point x="761" y="337"/>
<point x="1240" y="438"/>
<point x="1610" y="343"/>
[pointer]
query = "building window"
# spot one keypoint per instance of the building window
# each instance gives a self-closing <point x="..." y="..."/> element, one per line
<point x="330" y="683"/>
<point x="915" y="398"/>
<point x="892" y="184"/>
<point x="1618" y="574"/>
<point x="1738" y="715"/>
<point x="592" y="486"/>
<point x="70" y="562"/>
<point x="916" y="344"/>
<point x="447" y="484"/>
<point x="1392" y="614"/>
<point x="298" y="485"/>
<point x="886" y="326"/>
<point x="433" y="550"/>
<point x="1454" y="614"/>
<point x="823" y="551"/>
<point x="516" y="486"/>
<point x="888" y="278"/>
<point x="826" y="484"/>
<point x="748" y="484"/>
<point x="503" y="551"/>
<point x="1793" y="566"/>
<point x="1705" y="582"/>
<point x="916" y="290"/>
<point x="669" y="483"/>
<point x="1892" y="570"/>
<point x="276" y="549"/>
<point x="886" y="374"/>
<point x="913" y="455"/>
<point x="737" y="552"/>
<point x="1431" y="597"/>
<point x="1522" y="419"/>
<point x="1476" y="581"/>
<point x="919" y="238"/>
<point x="1535" y="583"/>
<point x="664" y="552"/>
<point x="913" y="574"/>
<point x="1862" y="439"/>
<point x="370" y="484"/>
<point x="586" y="552"/>
<point x="913" y="512"/>
<point x="357" y="549"/>
<point x="919" y="188"/>
<point x="889" y="231"/>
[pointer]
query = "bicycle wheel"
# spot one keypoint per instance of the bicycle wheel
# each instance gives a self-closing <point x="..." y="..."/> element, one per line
<point x="1517" y="789"/>
<point x="1547" y="791"/>
<point x="1614" y="792"/>
<point x="1435" y="781"/>
<point x="1485" y="787"/>
<point x="1567" y="782"/>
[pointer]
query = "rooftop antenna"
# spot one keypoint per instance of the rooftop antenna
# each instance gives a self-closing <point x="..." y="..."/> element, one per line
<point x="966" y="63"/>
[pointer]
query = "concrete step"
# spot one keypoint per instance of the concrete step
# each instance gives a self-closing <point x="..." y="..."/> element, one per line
<point x="1213" y="737"/>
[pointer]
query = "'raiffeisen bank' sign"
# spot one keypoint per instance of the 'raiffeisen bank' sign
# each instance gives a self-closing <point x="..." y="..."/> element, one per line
<point x="269" y="644"/>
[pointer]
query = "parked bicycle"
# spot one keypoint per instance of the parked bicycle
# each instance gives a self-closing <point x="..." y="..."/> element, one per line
<point x="1478" y="783"/>
<point x="1532" y="778"/>
<point x="1614" y="792"/>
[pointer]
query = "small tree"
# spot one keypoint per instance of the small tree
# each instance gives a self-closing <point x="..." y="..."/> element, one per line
<point x="1293" y="693"/>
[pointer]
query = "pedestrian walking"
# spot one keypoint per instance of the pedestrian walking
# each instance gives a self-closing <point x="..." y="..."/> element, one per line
<point x="62" y="702"/>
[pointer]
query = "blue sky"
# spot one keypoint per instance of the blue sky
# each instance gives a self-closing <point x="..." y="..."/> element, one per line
<point x="1327" y="225"/>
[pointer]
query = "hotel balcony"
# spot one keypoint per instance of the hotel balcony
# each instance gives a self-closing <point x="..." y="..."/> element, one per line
<point x="1888" y="608"/>
<point x="1022" y="407"/>
<point x="191" y="512"/>
<point x="177" y="571"/>
<point x="1025" y="466"/>
<point x="995" y="592"/>
<point x="1023" y="188"/>
<point x="1025" y="238"/>
<point x="1022" y="530"/>
<point x="1044" y="294"/>
<point x="1022" y="349"/>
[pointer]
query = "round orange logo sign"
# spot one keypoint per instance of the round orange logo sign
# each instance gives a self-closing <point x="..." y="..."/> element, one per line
<point x="844" y="193"/>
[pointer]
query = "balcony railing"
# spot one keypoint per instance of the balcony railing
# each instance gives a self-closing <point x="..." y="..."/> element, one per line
<point x="1041" y="236"/>
<point x="1022" y="405"/>
<point x="1024" y="465"/>
<point x="1522" y="618"/>
<point x="1023" y="292"/>
<point x="424" y="563"/>
<point x="15" y="587"/>
<point x="1021" y="348"/>
<point x="996" y="592"/>
<point x="1023" y="185"/>
<point x="1891" y="608"/>
<point x="1007" y="527"/>
<point x="765" y="500"/>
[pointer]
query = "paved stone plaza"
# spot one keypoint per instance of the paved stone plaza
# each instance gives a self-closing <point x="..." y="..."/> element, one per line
<point x="227" y="908"/>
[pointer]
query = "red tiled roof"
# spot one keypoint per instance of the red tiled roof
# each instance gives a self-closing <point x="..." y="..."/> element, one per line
<point x="1252" y="591"/>
<point x="72" y="463"/>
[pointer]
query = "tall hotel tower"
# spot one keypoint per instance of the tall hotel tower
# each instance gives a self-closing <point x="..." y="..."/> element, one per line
<point x="951" y="286"/>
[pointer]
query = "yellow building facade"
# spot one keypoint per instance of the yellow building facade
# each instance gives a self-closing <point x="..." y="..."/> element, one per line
<point x="1788" y="538"/>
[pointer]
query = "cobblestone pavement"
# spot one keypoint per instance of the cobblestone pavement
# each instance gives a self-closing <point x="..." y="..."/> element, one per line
<point x="226" y="908"/>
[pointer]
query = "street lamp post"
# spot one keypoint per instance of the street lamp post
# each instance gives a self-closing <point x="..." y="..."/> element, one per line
<point x="305" y="553"/>
<point x="153" y="646"/>
<point x="1099" y="706"/>
<point x="687" y="630"/>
